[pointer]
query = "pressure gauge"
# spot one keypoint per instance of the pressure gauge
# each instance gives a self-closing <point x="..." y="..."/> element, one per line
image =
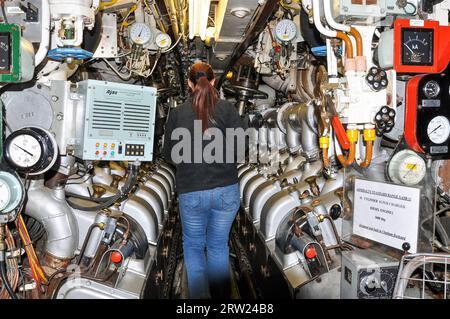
<point x="140" y="33"/>
<point x="286" y="30"/>
<point x="407" y="167"/>
<point x="163" y="41"/>
<point x="431" y="89"/>
<point x="31" y="150"/>
<point x="438" y="130"/>
<point x="11" y="195"/>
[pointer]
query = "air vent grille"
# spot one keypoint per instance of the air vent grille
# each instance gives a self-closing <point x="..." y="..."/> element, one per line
<point x="116" y="116"/>
<point x="136" y="117"/>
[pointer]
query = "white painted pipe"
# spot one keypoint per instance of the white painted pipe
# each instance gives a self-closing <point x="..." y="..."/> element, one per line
<point x="45" y="37"/>
<point x="316" y="15"/>
<point x="330" y="20"/>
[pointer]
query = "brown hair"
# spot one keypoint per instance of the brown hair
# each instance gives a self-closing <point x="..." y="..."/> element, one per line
<point x="205" y="95"/>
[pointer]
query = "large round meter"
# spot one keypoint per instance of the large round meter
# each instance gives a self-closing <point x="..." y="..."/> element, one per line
<point x="407" y="167"/>
<point x="11" y="195"/>
<point x="286" y="30"/>
<point x="438" y="130"/>
<point x="140" y="34"/>
<point x="31" y="150"/>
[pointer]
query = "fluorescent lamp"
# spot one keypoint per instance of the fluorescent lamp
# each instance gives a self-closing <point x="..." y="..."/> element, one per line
<point x="198" y="18"/>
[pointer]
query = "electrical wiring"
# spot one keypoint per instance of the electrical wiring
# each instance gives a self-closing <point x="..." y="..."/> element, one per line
<point x="37" y="272"/>
<point x="12" y="268"/>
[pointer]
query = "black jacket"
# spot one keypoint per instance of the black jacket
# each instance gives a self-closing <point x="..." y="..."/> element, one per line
<point x="193" y="173"/>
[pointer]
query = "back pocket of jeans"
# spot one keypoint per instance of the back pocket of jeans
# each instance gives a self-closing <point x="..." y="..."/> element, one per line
<point x="191" y="201"/>
<point x="230" y="199"/>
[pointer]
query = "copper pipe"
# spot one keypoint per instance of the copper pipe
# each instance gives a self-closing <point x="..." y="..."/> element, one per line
<point x="348" y="43"/>
<point x="369" y="154"/>
<point x="359" y="45"/>
<point x="326" y="159"/>
<point x="346" y="162"/>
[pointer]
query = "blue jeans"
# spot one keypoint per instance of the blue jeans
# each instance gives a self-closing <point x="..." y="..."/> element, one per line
<point x="207" y="217"/>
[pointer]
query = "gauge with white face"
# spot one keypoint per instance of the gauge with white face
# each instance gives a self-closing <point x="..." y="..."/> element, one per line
<point x="11" y="195"/>
<point x="438" y="130"/>
<point x="5" y="194"/>
<point x="25" y="150"/>
<point x="406" y="167"/>
<point x="31" y="150"/>
<point x="140" y="33"/>
<point x="163" y="41"/>
<point x="286" y="30"/>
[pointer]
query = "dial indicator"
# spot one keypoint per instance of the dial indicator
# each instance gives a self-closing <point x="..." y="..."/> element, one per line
<point x="31" y="150"/>
<point x="140" y="33"/>
<point x="407" y="167"/>
<point x="417" y="46"/>
<point x="163" y="41"/>
<point x="438" y="130"/>
<point x="286" y="30"/>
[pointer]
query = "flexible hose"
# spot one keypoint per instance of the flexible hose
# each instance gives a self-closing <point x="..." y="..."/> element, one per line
<point x="346" y="162"/>
<point x="326" y="159"/>
<point x="369" y="154"/>
<point x="4" y="276"/>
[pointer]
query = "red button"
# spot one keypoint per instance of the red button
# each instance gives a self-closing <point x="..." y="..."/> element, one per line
<point x="310" y="253"/>
<point x="116" y="257"/>
<point x="96" y="153"/>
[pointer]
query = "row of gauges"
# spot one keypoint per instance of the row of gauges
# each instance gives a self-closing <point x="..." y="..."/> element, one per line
<point x="30" y="151"/>
<point x="141" y="34"/>
<point x="427" y="124"/>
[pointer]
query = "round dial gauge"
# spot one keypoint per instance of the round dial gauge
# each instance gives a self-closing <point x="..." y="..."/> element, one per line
<point x="31" y="150"/>
<point x="431" y="89"/>
<point x="286" y="30"/>
<point x="163" y="41"/>
<point x="406" y="167"/>
<point x="25" y="150"/>
<point x="11" y="195"/>
<point x="140" y="33"/>
<point x="438" y="130"/>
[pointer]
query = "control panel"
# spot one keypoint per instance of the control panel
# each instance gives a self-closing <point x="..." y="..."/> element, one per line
<point x="427" y="116"/>
<point x="115" y="122"/>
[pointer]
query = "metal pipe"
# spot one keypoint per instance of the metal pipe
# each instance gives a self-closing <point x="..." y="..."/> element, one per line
<point x="49" y="207"/>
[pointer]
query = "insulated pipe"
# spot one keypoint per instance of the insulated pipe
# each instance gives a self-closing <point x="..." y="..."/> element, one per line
<point x="45" y="37"/>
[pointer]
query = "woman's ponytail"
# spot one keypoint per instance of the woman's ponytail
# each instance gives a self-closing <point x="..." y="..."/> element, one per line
<point x="205" y="96"/>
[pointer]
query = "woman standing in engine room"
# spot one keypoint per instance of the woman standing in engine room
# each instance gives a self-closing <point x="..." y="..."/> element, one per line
<point x="208" y="189"/>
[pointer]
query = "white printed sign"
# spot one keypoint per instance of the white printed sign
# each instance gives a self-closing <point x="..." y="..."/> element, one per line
<point x="386" y="213"/>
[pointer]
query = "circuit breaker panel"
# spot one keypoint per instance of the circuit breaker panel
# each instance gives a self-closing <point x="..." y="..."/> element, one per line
<point x="115" y="122"/>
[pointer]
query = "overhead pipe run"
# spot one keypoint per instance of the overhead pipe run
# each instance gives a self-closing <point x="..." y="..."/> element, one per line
<point x="361" y="64"/>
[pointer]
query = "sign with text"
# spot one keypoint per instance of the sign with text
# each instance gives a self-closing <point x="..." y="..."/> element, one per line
<point x="386" y="213"/>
